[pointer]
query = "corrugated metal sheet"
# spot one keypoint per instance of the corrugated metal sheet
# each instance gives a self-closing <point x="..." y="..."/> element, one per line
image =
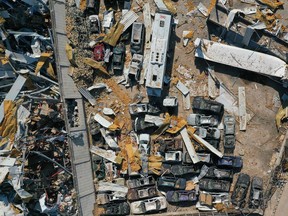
<point x="128" y="19"/>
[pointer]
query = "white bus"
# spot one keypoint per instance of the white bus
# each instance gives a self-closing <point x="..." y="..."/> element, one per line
<point x="161" y="31"/>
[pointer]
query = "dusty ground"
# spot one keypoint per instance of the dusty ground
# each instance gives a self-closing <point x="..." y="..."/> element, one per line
<point x="258" y="144"/>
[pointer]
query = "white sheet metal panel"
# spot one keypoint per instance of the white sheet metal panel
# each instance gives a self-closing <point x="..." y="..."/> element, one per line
<point x="160" y="4"/>
<point x="207" y="145"/>
<point x="189" y="145"/>
<point x="128" y="19"/>
<point x="147" y="24"/>
<point x="242" y="108"/>
<point x="241" y="58"/>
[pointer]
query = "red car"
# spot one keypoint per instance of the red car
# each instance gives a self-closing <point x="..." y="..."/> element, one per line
<point x="99" y="52"/>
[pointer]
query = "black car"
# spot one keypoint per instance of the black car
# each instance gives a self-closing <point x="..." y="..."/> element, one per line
<point x="179" y="170"/>
<point x="214" y="185"/>
<point x="256" y="193"/>
<point x="230" y="162"/>
<point x="116" y="209"/>
<point x="239" y="194"/>
<point x="204" y="106"/>
<point x="221" y="174"/>
<point x="118" y="57"/>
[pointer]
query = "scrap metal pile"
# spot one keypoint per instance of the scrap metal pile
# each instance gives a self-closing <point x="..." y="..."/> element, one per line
<point x="35" y="167"/>
<point x="165" y="158"/>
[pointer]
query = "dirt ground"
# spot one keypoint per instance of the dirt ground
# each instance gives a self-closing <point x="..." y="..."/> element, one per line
<point x="258" y="145"/>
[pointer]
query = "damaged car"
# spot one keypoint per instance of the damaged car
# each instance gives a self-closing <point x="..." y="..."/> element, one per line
<point x="181" y="196"/>
<point x="229" y="133"/>
<point x="208" y="132"/>
<point x="169" y="144"/>
<point x="148" y="205"/>
<point x="221" y="174"/>
<point x="94" y="24"/>
<point x="179" y="170"/>
<point x="231" y="162"/>
<point x="256" y="193"/>
<point x="172" y="182"/>
<point x="214" y="185"/>
<point x="141" y="193"/>
<point x="202" y="120"/>
<point x="141" y="125"/>
<point x="240" y="190"/>
<point x="204" y="106"/>
<point x="99" y="52"/>
<point x="111" y="209"/>
<point x="140" y="182"/>
<point x="118" y="57"/>
<point x="135" y="67"/>
<point x="173" y="156"/>
<point x="144" y="108"/>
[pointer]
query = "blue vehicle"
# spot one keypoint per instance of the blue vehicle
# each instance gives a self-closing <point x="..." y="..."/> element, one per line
<point x="232" y="162"/>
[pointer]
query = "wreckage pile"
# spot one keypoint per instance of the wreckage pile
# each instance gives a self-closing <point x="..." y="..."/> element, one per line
<point x="35" y="166"/>
<point x="146" y="154"/>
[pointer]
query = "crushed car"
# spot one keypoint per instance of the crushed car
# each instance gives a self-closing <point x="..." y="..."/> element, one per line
<point x="231" y="162"/>
<point x="173" y="156"/>
<point x="238" y="197"/>
<point x="94" y="24"/>
<point x="111" y="209"/>
<point x="99" y="52"/>
<point x="141" y="193"/>
<point x="149" y="205"/>
<point x="208" y="133"/>
<point x="201" y="105"/>
<point x="144" y="143"/>
<point x="181" y="196"/>
<point x="137" y="38"/>
<point x="256" y="193"/>
<point x="171" y="182"/>
<point x="179" y="170"/>
<point x="221" y="174"/>
<point x="214" y="185"/>
<point x="140" y="124"/>
<point x="118" y="57"/>
<point x="169" y="144"/>
<point x="135" y="67"/>
<point x="202" y="120"/>
<point x="143" y="108"/>
<point x="140" y="182"/>
<point x="229" y="133"/>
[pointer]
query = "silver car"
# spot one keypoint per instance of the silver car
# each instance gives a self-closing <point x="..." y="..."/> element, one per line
<point x="148" y="205"/>
<point x="202" y="120"/>
<point x="229" y="132"/>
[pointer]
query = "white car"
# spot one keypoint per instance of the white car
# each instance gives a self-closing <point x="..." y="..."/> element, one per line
<point x="173" y="156"/>
<point x="148" y="205"/>
<point x="144" y="143"/>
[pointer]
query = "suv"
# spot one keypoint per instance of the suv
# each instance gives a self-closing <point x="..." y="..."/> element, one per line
<point x="137" y="38"/>
<point x="240" y="190"/>
<point x="229" y="132"/>
<point x="118" y="57"/>
<point x="256" y="193"/>
<point x="202" y="120"/>
<point x="202" y="105"/>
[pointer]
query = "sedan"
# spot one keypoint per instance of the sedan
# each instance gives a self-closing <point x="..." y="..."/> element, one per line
<point x="240" y="190"/>
<point x="148" y="205"/>
<point x="181" y="196"/>
<point x="141" y="193"/>
<point x="214" y="185"/>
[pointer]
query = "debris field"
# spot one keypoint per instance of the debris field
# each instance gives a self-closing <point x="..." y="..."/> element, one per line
<point x="185" y="104"/>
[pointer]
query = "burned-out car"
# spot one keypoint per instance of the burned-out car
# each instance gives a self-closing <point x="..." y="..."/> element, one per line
<point x="140" y="124"/>
<point x="169" y="144"/>
<point x="94" y="24"/>
<point x="214" y="185"/>
<point x="118" y="57"/>
<point x="256" y="193"/>
<point x="149" y="205"/>
<point x="173" y="156"/>
<point x="179" y="170"/>
<point x="104" y="198"/>
<point x="144" y="143"/>
<point x="135" y="67"/>
<point x="208" y="132"/>
<point x="181" y="196"/>
<point x="216" y="173"/>
<point x="170" y="101"/>
<point x="203" y="157"/>
<point x="240" y="190"/>
<point x="202" y="105"/>
<point x="229" y="133"/>
<point x="140" y="182"/>
<point x="202" y="120"/>
<point x="111" y="209"/>
<point x="137" y="38"/>
<point x="171" y="182"/>
<point x="144" y="108"/>
<point x="141" y="193"/>
<point x="231" y="162"/>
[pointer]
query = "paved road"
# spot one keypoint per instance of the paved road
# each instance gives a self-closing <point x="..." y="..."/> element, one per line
<point x="78" y="141"/>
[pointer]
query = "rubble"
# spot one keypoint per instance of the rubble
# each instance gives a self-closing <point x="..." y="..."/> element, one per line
<point x="158" y="129"/>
